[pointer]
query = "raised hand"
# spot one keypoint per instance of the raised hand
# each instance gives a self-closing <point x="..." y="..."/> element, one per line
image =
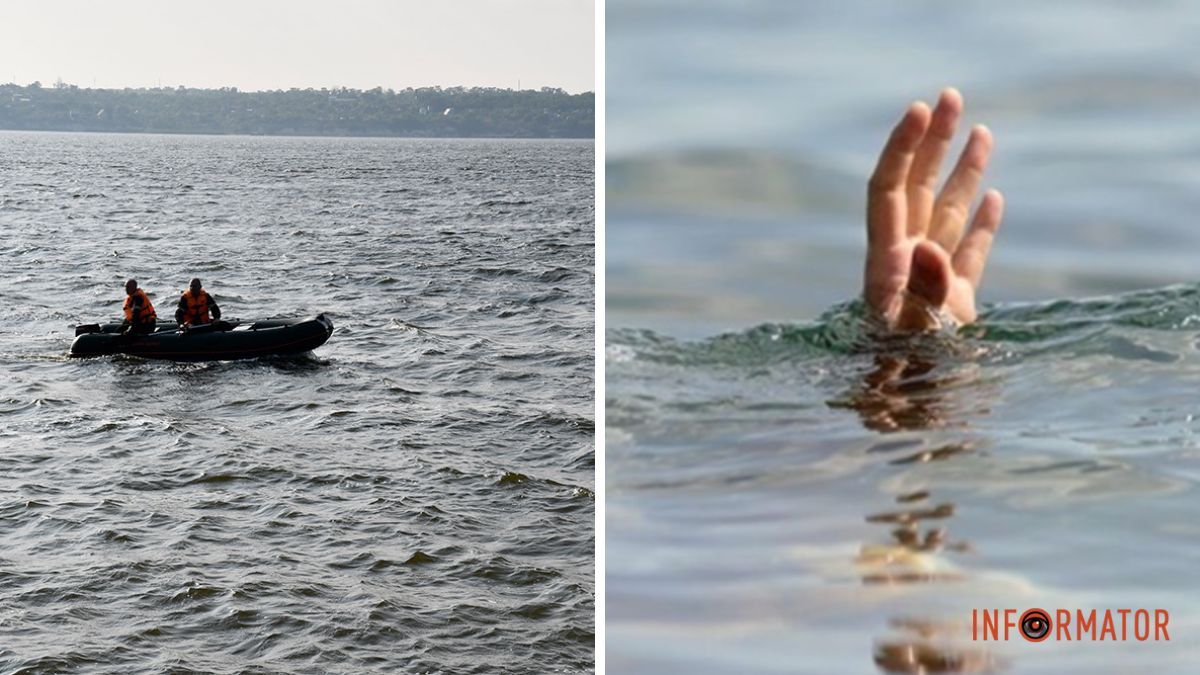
<point x="919" y="263"/>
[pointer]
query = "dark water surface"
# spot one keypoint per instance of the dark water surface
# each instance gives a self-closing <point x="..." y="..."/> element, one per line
<point x="785" y="495"/>
<point x="415" y="496"/>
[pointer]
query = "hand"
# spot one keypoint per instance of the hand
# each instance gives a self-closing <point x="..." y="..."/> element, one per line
<point x="919" y="264"/>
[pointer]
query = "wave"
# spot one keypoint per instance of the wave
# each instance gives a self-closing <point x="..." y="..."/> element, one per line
<point x="848" y="329"/>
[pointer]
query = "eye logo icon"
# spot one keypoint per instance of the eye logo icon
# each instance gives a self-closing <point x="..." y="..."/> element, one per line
<point x="1035" y="625"/>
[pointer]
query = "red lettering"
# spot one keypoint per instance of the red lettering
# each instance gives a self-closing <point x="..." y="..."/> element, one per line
<point x="1141" y="625"/>
<point x="991" y="624"/>
<point x="1107" y="628"/>
<point x="1161" y="617"/>
<point x="1062" y="622"/>
<point x="1087" y="622"/>
<point x="1088" y="626"/>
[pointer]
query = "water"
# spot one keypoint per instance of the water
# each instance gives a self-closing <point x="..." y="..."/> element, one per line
<point x="414" y="496"/>
<point x="788" y="494"/>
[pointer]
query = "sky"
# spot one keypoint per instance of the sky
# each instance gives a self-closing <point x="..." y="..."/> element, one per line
<point x="275" y="44"/>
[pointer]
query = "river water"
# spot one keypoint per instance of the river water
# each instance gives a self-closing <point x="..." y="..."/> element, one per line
<point x="414" y="496"/>
<point x="787" y="493"/>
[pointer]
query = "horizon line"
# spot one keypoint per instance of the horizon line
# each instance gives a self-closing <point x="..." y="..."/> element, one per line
<point x="65" y="84"/>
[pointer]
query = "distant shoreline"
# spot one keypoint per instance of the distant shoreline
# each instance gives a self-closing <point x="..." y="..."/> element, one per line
<point x="430" y="112"/>
<point x="6" y="130"/>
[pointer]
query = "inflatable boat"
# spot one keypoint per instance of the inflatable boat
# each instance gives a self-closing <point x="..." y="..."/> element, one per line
<point x="217" y="341"/>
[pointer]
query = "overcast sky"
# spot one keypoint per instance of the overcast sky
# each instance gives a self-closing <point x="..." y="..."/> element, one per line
<point x="277" y="44"/>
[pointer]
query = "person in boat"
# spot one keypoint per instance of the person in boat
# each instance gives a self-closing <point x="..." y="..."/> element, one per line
<point x="139" y="311"/>
<point x="924" y="263"/>
<point x="196" y="306"/>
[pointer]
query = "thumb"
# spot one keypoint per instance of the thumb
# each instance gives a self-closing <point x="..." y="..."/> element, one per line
<point x="931" y="274"/>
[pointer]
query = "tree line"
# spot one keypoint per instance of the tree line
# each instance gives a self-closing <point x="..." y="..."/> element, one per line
<point x="426" y="112"/>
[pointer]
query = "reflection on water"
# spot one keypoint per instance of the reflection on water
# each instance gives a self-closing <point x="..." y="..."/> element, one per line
<point x="899" y="394"/>
<point x="919" y="657"/>
<point x="803" y="493"/>
<point x="907" y="393"/>
<point x="785" y="498"/>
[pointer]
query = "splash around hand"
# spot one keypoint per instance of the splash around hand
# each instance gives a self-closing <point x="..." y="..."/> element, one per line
<point x="920" y="265"/>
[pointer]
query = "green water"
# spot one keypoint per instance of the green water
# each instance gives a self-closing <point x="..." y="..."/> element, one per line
<point x="787" y="493"/>
<point x="809" y="497"/>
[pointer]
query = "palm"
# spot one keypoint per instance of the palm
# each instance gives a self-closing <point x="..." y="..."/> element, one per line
<point x="919" y="263"/>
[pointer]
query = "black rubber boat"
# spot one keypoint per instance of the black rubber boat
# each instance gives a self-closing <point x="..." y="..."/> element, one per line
<point x="217" y="341"/>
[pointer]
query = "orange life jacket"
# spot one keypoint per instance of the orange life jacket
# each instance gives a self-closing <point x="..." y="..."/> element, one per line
<point x="197" y="307"/>
<point x="145" y="314"/>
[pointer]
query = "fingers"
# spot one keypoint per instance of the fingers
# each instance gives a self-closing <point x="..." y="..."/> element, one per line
<point x="953" y="206"/>
<point x="886" y="210"/>
<point x="927" y="163"/>
<point x="972" y="253"/>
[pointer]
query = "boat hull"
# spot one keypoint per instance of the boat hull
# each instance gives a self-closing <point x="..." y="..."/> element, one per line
<point x="219" y="341"/>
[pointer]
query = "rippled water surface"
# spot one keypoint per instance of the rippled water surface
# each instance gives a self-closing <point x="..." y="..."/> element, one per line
<point x="414" y="496"/>
<point x="786" y="493"/>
